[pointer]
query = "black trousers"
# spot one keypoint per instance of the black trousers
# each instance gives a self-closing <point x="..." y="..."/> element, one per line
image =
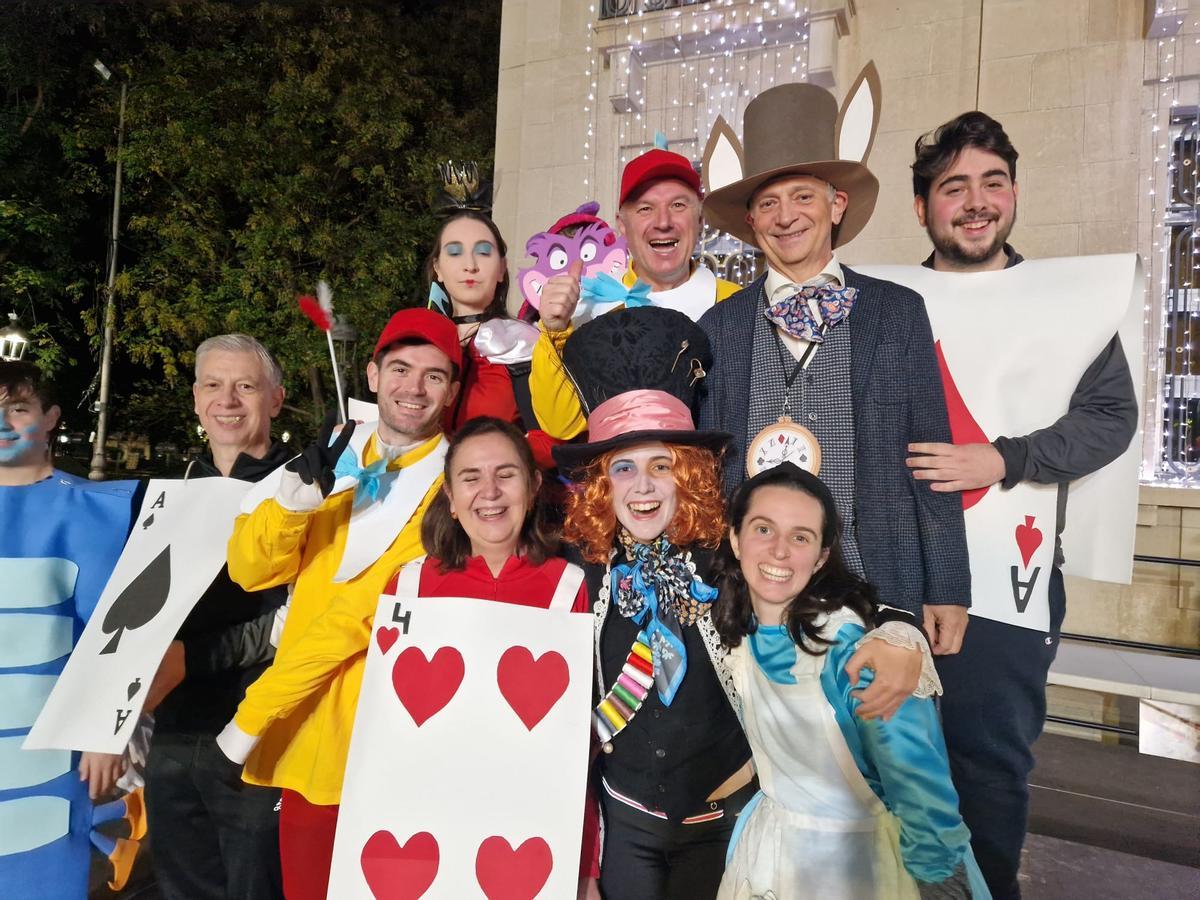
<point x="213" y="836"/>
<point x="993" y="709"/>
<point x="647" y="858"/>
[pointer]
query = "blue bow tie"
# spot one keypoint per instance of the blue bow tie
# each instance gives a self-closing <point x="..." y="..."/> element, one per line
<point x="603" y="288"/>
<point x="368" y="477"/>
<point x="794" y="315"/>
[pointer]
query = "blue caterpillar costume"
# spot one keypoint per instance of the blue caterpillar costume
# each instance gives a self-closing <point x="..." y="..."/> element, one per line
<point x="59" y="542"/>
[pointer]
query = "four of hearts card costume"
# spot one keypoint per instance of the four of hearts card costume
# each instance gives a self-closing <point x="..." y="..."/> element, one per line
<point x="441" y="760"/>
<point x="61" y="538"/>
<point x="848" y="808"/>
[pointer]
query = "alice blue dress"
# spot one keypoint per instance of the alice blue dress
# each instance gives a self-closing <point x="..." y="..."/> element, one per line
<point x="59" y="541"/>
<point x="847" y="808"/>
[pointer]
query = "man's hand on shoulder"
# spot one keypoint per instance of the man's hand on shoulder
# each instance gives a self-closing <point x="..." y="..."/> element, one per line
<point x="945" y="625"/>
<point x="956" y="467"/>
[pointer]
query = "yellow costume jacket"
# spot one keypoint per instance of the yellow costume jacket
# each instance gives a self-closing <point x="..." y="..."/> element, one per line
<point x="298" y="716"/>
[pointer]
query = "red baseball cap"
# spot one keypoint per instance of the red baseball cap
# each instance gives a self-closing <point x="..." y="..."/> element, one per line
<point x="431" y="327"/>
<point x="655" y="164"/>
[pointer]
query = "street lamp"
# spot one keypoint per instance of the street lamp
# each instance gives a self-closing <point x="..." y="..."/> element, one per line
<point x="110" y="315"/>
<point x="13" y="341"/>
<point x="345" y="337"/>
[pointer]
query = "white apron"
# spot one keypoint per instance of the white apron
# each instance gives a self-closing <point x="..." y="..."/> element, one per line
<point x="817" y="830"/>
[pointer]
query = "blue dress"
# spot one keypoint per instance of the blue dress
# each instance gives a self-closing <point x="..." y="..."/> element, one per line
<point x="59" y="541"/>
<point x="848" y="808"/>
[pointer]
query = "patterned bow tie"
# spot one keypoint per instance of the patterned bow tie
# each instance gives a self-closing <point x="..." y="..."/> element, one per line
<point x="369" y="477"/>
<point x="794" y="315"/>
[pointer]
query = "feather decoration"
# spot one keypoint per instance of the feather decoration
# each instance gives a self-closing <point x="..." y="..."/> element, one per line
<point x="325" y="299"/>
<point x="319" y="310"/>
<point x="311" y="307"/>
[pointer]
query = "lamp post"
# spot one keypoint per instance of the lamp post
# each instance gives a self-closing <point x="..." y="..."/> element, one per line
<point x="13" y="340"/>
<point x="110" y="315"/>
<point x="345" y="337"/>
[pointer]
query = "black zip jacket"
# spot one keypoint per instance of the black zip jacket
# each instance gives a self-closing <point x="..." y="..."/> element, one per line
<point x="227" y="636"/>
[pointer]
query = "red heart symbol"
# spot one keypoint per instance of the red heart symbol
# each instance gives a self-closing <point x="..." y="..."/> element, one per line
<point x="386" y="637"/>
<point x="530" y="686"/>
<point x="1028" y="540"/>
<point x="425" y="686"/>
<point x="399" y="872"/>
<point x="963" y="427"/>
<point x="508" y="874"/>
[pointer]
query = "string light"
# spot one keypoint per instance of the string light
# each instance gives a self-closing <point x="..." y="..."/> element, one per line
<point x="1172" y="313"/>
<point x="681" y="68"/>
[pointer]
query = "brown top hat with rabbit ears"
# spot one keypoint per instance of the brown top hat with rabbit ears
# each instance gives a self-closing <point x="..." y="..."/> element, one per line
<point x="795" y="129"/>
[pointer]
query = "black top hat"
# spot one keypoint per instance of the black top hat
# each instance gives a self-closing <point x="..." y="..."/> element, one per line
<point x="637" y="371"/>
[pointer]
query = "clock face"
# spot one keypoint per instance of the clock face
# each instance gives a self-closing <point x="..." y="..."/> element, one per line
<point x="784" y="441"/>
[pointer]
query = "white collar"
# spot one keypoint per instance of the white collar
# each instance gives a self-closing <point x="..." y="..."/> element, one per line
<point x="778" y="283"/>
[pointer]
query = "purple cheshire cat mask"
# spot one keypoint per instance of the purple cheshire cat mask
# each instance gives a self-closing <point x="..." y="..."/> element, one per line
<point x="600" y="248"/>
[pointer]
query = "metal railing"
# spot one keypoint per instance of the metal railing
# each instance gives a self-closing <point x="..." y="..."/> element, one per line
<point x="1191" y="652"/>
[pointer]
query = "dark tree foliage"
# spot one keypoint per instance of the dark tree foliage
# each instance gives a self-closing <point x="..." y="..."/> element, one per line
<point x="267" y="145"/>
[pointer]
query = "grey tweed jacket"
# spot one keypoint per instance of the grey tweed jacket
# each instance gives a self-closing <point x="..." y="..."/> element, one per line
<point x="913" y="540"/>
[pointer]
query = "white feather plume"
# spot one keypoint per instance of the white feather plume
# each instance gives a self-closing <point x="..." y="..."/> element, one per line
<point x="325" y="298"/>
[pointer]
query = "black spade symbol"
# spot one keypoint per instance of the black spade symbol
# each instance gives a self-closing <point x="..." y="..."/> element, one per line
<point x="134" y="687"/>
<point x="148" y="522"/>
<point x="141" y="600"/>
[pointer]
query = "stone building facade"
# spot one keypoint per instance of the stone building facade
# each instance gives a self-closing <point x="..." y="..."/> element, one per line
<point x="1080" y="86"/>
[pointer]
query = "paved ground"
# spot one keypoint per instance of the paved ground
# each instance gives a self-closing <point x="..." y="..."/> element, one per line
<point x="1106" y="823"/>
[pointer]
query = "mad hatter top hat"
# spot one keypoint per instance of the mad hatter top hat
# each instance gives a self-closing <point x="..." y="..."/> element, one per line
<point x="795" y="129"/>
<point x="637" y="371"/>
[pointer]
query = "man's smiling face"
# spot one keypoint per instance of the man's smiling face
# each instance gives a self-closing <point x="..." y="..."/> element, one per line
<point x="793" y="218"/>
<point x="414" y="384"/>
<point x="661" y="226"/>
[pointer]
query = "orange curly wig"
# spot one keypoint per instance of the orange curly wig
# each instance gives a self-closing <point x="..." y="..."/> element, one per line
<point x="699" y="518"/>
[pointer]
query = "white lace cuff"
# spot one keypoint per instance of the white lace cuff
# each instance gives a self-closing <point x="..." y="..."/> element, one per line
<point x="902" y="634"/>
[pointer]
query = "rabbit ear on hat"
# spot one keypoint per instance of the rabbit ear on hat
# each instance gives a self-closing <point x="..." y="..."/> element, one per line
<point x="722" y="163"/>
<point x="858" y="119"/>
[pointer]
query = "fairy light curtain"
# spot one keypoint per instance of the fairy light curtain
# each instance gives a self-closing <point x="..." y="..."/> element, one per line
<point x="1171" y="448"/>
<point x="700" y="60"/>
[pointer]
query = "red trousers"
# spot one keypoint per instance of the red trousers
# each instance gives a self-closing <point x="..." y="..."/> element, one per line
<point x="306" y="846"/>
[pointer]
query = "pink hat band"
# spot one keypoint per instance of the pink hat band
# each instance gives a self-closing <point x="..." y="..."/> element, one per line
<point x="641" y="410"/>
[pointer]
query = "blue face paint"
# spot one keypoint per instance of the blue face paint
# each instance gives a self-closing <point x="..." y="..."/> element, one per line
<point x="454" y="248"/>
<point x="15" y="444"/>
<point x="484" y="248"/>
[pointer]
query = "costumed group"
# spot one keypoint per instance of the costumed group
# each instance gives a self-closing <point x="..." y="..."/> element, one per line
<point x="752" y="491"/>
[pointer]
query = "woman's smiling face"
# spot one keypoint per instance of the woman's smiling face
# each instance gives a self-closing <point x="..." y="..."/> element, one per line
<point x="490" y="493"/>
<point x="644" y="494"/>
<point x="779" y="548"/>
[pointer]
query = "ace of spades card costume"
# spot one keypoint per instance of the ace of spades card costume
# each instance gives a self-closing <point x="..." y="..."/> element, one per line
<point x="61" y="539"/>
<point x="864" y="382"/>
